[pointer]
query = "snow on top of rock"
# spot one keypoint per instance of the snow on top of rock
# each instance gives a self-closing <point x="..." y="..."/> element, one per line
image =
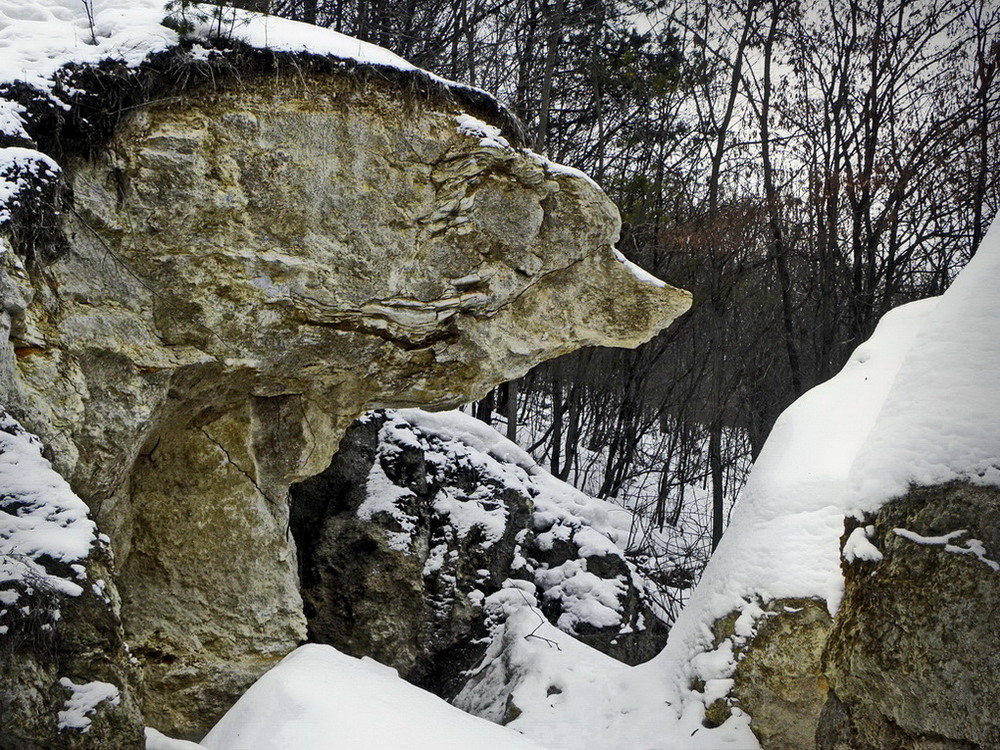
<point x="489" y="135"/>
<point x="382" y="496"/>
<point x="556" y="503"/>
<point x="579" y="531"/>
<point x="83" y="703"/>
<point x="317" y="695"/>
<point x="640" y="273"/>
<point x="940" y="419"/>
<point x="41" y="519"/>
<point x="22" y="170"/>
<point x="38" y="37"/>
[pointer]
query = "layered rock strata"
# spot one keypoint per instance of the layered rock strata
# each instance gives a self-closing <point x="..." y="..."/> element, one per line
<point x="242" y="271"/>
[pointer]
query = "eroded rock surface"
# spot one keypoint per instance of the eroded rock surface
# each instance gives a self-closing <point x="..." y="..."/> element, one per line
<point x="247" y="268"/>
<point x="419" y="519"/>
<point x="778" y="678"/>
<point x="914" y="654"/>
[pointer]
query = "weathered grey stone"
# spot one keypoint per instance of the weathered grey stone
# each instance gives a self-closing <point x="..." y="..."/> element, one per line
<point x="778" y="680"/>
<point x="250" y="266"/>
<point x="405" y="584"/>
<point x="914" y="654"/>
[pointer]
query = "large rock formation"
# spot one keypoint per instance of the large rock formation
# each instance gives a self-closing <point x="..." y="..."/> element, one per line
<point x="911" y="658"/>
<point x="419" y="520"/>
<point x="244" y="268"/>
<point x="914" y="654"/>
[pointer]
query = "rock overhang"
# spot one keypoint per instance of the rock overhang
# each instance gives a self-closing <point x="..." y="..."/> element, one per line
<point x="238" y="272"/>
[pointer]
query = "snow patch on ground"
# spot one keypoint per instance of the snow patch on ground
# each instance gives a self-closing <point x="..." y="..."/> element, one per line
<point x="568" y="695"/>
<point x="158" y="741"/>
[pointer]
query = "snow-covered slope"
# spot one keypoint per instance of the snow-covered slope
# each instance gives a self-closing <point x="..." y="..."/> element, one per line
<point x="320" y="698"/>
<point x="941" y="419"/>
<point x="784" y="536"/>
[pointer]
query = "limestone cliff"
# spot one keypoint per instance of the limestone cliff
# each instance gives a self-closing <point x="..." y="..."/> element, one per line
<point x="241" y="268"/>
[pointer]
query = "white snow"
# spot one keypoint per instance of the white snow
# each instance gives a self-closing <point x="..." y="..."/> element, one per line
<point x="939" y="421"/>
<point x="640" y="273"/>
<point x="572" y="696"/>
<point x="38" y="37"/>
<point x="40" y="516"/>
<point x="784" y="536"/>
<point x="858" y="546"/>
<point x="467" y="513"/>
<point x="320" y="699"/>
<point x="158" y="741"/>
<point x="384" y="497"/>
<point x="972" y="547"/>
<point x="917" y="402"/>
<point x="83" y="702"/>
<point x="20" y="168"/>
<point x="489" y="136"/>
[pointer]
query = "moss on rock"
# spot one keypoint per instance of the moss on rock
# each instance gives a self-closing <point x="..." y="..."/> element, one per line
<point x="914" y="654"/>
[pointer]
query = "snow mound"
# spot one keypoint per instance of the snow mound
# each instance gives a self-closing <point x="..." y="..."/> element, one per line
<point x="317" y="698"/>
<point x="566" y="695"/>
<point x="940" y="420"/>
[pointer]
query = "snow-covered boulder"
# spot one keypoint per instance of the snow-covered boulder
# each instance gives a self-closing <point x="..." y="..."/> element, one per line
<point x="422" y="517"/>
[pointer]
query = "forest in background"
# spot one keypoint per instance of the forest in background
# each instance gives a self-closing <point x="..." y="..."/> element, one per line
<point x="802" y="166"/>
